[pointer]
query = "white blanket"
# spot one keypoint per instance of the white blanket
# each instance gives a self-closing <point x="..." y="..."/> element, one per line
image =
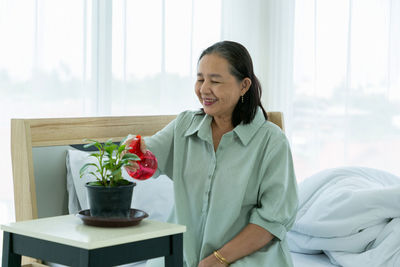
<point x="351" y="214"/>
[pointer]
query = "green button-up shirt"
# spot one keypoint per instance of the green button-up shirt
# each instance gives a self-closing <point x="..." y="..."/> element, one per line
<point x="249" y="179"/>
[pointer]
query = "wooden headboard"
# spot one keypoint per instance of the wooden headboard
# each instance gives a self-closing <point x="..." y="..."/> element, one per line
<point x="27" y="134"/>
<point x="49" y="135"/>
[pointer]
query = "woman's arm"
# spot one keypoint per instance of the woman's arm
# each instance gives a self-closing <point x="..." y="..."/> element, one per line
<point x="249" y="240"/>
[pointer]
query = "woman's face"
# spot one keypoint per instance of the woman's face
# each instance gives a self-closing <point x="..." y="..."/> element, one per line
<point x="217" y="89"/>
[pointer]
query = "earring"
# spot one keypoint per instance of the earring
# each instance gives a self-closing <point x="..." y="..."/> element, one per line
<point x="242" y="99"/>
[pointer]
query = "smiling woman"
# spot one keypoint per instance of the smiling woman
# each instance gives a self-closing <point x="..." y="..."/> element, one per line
<point x="203" y="153"/>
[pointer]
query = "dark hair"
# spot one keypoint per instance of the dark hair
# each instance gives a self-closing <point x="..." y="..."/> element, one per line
<point x="241" y="66"/>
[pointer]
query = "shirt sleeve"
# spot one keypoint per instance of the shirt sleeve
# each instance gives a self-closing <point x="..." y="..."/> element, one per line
<point x="162" y="146"/>
<point x="277" y="196"/>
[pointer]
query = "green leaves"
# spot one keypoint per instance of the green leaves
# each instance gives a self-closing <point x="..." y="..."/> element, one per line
<point x="109" y="149"/>
<point x="110" y="159"/>
<point x="130" y="156"/>
<point x="121" y="148"/>
<point x="85" y="167"/>
<point x="93" y="143"/>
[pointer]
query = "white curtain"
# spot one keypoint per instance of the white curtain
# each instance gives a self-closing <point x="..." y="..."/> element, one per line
<point x="154" y="53"/>
<point x="45" y="71"/>
<point x="265" y="27"/>
<point x="333" y="68"/>
<point x="63" y="58"/>
<point x="346" y="96"/>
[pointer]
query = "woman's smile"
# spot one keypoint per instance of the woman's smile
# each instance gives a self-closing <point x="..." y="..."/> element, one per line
<point x="208" y="101"/>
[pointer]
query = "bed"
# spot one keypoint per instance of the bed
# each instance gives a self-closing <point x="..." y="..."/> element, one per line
<point x="46" y="162"/>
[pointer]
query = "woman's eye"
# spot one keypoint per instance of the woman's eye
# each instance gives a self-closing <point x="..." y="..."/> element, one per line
<point x="215" y="81"/>
<point x="200" y="81"/>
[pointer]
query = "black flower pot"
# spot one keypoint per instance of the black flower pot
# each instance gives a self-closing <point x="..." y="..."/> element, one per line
<point x="109" y="202"/>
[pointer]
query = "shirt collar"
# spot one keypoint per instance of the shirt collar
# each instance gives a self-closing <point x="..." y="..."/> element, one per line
<point x="201" y="126"/>
<point x="246" y="131"/>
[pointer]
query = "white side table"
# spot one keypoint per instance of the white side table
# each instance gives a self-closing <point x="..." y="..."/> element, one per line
<point x="66" y="240"/>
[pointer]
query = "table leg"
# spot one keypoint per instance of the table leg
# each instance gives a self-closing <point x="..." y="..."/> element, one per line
<point x="83" y="258"/>
<point x="10" y="259"/>
<point x="176" y="257"/>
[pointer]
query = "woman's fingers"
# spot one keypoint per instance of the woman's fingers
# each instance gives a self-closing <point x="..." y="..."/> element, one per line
<point x="143" y="146"/>
<point x="133" y="167"/>
<point x="128" y="141"/>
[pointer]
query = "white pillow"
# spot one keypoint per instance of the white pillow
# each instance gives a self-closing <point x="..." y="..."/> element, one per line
<point x="154" y="196"/>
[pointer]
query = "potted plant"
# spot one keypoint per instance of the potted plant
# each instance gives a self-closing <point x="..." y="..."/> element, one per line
<point x="110" y="195"/>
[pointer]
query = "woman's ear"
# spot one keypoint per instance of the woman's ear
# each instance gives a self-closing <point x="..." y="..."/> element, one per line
<point x="246" y="83"/>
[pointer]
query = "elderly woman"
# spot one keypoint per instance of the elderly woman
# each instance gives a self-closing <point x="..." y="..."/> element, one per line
<point x="232" y="170"/>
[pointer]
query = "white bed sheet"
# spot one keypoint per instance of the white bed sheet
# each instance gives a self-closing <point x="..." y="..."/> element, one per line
<point x="350" y="213"/>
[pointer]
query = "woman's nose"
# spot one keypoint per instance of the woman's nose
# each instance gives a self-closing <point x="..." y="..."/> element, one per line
<point x="205" y="87"/>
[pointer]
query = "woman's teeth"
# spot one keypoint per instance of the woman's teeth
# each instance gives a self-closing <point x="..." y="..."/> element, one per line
<point x="209" y="101"/>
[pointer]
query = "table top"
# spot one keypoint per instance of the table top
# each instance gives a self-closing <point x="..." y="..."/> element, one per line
<point x="70" y="230"/>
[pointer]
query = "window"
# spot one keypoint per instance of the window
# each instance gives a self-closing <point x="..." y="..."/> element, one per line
<point x="346" y="105"/>
<point x="68" y="58"/>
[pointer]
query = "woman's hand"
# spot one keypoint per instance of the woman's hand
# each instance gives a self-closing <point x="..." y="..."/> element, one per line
<point x="211" y="261"/>
<point x="134" y="166"/>
<point x="128" y="141"/>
